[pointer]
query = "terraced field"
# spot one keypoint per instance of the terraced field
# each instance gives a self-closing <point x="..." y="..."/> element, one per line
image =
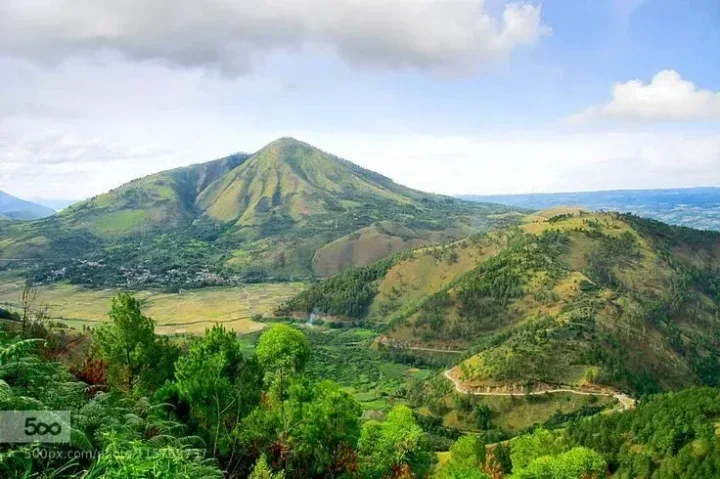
<point x="190" y="312"/>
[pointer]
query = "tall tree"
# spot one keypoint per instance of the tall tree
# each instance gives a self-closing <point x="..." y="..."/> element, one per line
<point x="127" y="340"/>
<point x="397" y="447"/>
<point x="467" y="460"/>
<point x="282" y="352"/>
<point x="218" y="384"/>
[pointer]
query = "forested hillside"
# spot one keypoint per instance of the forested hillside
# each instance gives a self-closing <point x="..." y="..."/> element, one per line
<point x="288" y="212"/>
<point x="145" y="406"/>
<point x="568" y="298"/>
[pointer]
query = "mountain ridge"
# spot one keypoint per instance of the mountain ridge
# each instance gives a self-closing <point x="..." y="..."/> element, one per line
<point x="572" y="299"/>
<point x="697" y="207"/>
<point x="14" y="208"/>
<point x="245" y="217"/>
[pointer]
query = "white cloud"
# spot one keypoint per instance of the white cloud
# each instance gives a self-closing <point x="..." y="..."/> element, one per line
<point x="536" y="161"/>
<point x="55" y="164"/>
<point x="510" y="163"/>
<point x="226" y="35"/>
<point x="668" y="97"/>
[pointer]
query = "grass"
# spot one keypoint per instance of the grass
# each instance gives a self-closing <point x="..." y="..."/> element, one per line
<point x="513" y="414"/>
<point x="364" y="247"/>
<point x="412" y="280"/>
<point x="190" y="312"/>
<point x="119" y="223"/>
<point x="344" y="356"/>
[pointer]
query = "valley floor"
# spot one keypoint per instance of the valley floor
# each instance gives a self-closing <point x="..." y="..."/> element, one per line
<point x="190" y="312"/>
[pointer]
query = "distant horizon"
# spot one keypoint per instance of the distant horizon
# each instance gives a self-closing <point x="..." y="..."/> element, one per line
<point x="451" y="97"/>
<point x="53" y="202"/>
<point x="618" y="190"/>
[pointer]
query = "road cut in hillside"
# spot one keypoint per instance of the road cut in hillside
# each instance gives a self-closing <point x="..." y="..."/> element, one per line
<point x="625" y="401"/>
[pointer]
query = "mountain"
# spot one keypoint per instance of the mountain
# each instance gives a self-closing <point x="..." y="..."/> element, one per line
<point x="692" y="207"/>
<point x="12" y="208"/>
<point x="568" y="298"/>
<point x="288" y="211"/>
<point x="161" y="201"/>
<point x="295" y="180"/>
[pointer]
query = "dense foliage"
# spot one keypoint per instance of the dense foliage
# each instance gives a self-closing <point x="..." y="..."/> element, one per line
<point x="347" y="294"/>
<point x="671" y="435"/>
<point x="209" y="412"/>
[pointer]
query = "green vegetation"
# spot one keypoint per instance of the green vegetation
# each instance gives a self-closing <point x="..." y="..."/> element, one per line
<point x="668" y="435"/>
<point x="129" y="345"/>
<point x="347" y="294"/>
<point x="591" y="303"/>
<point x="467" y="457"/>
<point x="397" y="445"/>
<point x="322" y="401"/>
<point x="579" y="300"/>
<point x="213" y="409"/>
<point x="243" y="218"/>
<point x="671" y="435"/>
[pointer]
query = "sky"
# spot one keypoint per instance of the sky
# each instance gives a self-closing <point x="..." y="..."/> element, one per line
<point x="447" y="96"/>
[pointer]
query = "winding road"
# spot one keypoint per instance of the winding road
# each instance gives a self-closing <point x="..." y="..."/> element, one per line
<point x="625" y="401"/>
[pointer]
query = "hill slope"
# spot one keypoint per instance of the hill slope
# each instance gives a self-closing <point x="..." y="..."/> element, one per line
<point x="13" y="208"/>
<point x="160" y="201"/>
<point x="293" y="179"/>
<point x="256" y="217"/>
<point x="574" y="299"/>
<point x="692" y="207"/>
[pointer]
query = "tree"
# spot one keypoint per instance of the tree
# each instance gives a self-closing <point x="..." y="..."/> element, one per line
<point x="326" y="429"/>
<point x="218" y="384"/>
<point x="395" y="447"/>
<point x="31" y="312"/>
<point x="262" y="470"/>
<point x="28" y="297"/>
<point x="483" y="413"/>
<point x="127" y="340"/>
<point x="467" y="459"/>
<point x="161" y="356"/>
<point x="498" y="461"/>
<point x="282" y="351"/>
<point x="531" y="446"/>
<point x="314" y="431"/>
<point x="576" y="463"/>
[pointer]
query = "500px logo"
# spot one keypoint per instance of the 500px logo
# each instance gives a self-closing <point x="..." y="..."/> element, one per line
<point x="34" y="426"/>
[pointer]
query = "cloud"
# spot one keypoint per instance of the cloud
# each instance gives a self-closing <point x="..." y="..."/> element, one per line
<point x="668" y="97"/>
<point x="56" y="164"/>
<point x="227" y="36"/>
<point x="534" y="161"/>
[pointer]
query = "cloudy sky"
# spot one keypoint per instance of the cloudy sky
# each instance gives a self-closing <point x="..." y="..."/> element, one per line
<point x="449" y="96"/>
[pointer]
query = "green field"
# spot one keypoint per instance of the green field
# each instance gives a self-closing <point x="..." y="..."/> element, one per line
<point x="190" y="312"/>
